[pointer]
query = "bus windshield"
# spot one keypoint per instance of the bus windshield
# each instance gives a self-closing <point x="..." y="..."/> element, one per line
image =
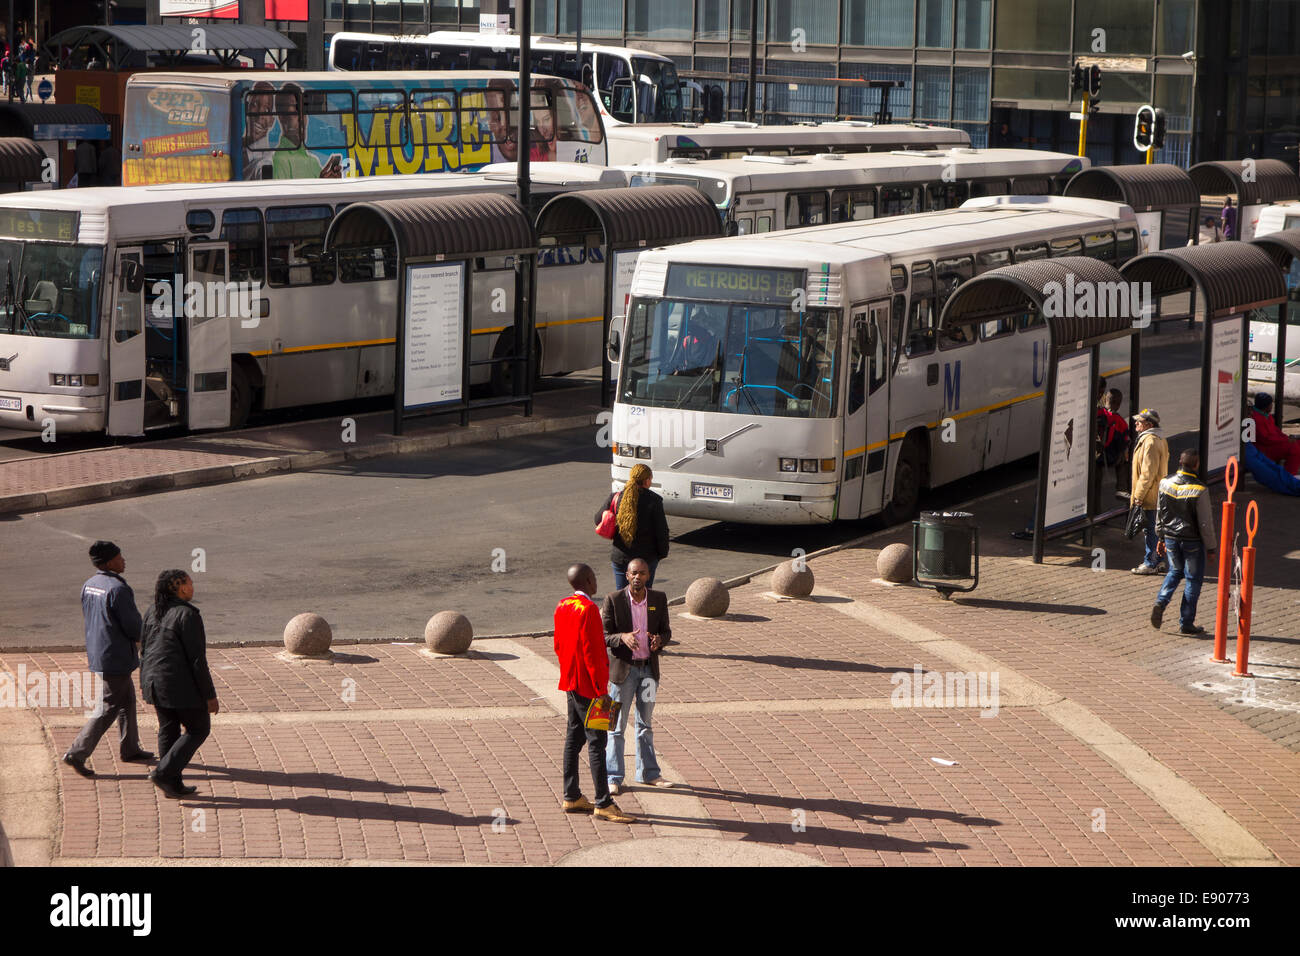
<point x="660" y="102"/>
<point x="726" y="357"/>
<point x="61" y="295"/>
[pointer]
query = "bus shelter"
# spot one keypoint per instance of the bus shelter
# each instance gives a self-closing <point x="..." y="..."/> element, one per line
<point x="432" y="243"/>
<point x="1251" y="183"/>
<point x="22" y="163"/>
<point x="1163" y="196"/>
<point x="1084" y="304"/>
<point x="1230" y="279"/>
<point x="619" y="224"/>
<point x="1284" y="249"/>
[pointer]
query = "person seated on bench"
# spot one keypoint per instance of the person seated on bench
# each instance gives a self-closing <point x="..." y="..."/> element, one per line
<point x="1269" y="438"/>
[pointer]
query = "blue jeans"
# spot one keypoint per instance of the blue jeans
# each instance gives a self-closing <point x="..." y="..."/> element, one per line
<point x="620" y="572"/>
<point x="1186" y="563"/>
<point x="640" y="688"/>
<point x="1152" y="559"/>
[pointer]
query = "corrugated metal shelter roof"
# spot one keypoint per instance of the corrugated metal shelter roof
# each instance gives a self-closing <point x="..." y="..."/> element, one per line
<point x="217" y="36"/>
<point x="436" y="227"/>
<point x="1233" y="276"/>
<point x="1029" y="284"/>
<point x="22" y="118"/>
<point x="632" y="216"/>
<point x="1145" y="188"/>
<point x="21" y="160"/>
<point x="1271" y="180"/>
<point x="1283" y="247"/>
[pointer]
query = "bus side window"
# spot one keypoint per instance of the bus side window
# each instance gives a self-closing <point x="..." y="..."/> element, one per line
<point x="991" y="187"/>
<point x="995" y="328"/>
<point x="1100" y="245"/>
<point x="1068" y="246"/>
<point x="920" y="325"/>
<point x="945" y="196"/>
<point x="1031" y="186"/>
<point x="242" y="230"/>
<point x="954" y="336"/>
<point x="295" y="240"/>
<point x="764" y="223"/>
<point x="324" y="115"/>
<point x="744" y="225"/>
<point x="950" y="274"/>
<point x="381" y="117"/>
<point x="1126" y="245"/>
<point x="433" y="117"/>
<point x="853" y="205"/>
<point x="898" y="317"/>
<point x="1037" y="250"/>
<point x="898" y="200"/>
<point x="857" y="366"/>
<point x="1032" y="319"/>
<point x="805" y="209"/>
<point x="992" y="259"/>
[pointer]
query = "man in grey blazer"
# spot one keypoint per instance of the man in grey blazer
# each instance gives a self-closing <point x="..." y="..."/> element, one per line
<point x="636" y="629"/>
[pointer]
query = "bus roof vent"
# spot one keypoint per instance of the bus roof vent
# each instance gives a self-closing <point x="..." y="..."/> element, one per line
<point x="930" y="153"/>
<point x="777" y="160"/>
<point x="963" y="151"/>
<point x="853" y="123"/>
<point x="681" y="160"/>
<point x="835" y="156"/>
<point x="737" y="124"/>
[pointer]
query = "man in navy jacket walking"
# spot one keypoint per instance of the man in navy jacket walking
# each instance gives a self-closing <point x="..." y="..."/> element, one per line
<point x="113" y="629"/>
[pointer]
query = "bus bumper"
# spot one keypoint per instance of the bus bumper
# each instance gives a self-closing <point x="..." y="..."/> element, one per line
<point x="751" y="502"/>
<point x="71" y="414"/>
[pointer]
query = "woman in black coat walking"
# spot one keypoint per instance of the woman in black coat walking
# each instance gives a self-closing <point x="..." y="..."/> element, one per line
<point x="174" y="678"/>
<point x="642" y="528"/>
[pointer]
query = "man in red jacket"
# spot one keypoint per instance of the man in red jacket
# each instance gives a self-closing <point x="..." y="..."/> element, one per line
<point x="1272" y="443"/>
<point x="584" y="675"/>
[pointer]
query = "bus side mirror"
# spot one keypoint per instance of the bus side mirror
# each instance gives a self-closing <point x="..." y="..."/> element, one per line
<point x="733" y="228"/>
<point x="132" y="276"/>
<point x="614" y="346"/>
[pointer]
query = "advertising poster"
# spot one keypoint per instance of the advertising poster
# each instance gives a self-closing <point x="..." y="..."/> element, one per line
<point x="229" y="9"/>
<point x="1225" y="396"/>
<point x="624" y="268"/>
<point x="432" y="333"/>
<point x="1070" y="450"/>
<point x="178" y="131"/>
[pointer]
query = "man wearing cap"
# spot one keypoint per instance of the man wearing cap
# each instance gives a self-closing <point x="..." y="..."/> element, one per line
<point x="1150" y="465"/>
<point x="113" y="630"/>
<point x="1185" y="525"/>
<point x="1271" y="441"/>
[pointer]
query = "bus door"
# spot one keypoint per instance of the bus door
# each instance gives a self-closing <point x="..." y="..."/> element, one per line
<point x="207" y="338"/>
<point x="866" y="412"/>
<point x="754" y="214"/>
<point x="126" y="352"/>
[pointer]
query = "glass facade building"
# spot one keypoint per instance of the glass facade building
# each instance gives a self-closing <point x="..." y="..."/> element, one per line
<point x="998" y="68"/>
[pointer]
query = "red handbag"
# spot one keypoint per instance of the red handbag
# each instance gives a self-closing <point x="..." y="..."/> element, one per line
<point x="609" y="520"/>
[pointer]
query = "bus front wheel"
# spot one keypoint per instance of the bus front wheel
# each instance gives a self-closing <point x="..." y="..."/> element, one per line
<point x="907" y="484"/>
<point x="241" y="396"/>
<point x="503" y="373"/>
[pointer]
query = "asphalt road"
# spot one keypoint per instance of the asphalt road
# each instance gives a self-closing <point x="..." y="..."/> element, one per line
<point x="378" y="547"/>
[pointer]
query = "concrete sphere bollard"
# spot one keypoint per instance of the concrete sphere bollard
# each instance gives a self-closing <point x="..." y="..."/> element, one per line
<point x="789" y="581"/>
<point x="308" y="635"/>
<point x="448" y="632"/>
<point x="894" y="563"/>
<point x="707" y="597"/>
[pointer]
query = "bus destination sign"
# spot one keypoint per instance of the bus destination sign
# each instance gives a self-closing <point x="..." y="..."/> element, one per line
<point x="39" y="224"/>
<point x="734" y="284"/>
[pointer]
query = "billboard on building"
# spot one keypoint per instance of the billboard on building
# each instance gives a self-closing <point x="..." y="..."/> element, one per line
<point x="229" y="9"/>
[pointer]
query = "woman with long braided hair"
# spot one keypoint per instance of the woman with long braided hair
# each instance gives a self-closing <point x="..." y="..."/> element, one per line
<point x="174" y="677"/>
<point x="642" y="528"/>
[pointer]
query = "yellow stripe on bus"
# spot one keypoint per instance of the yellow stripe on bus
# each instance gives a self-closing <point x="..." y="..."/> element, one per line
<point x="540" y="325"/>
<point x="987" y="408"/>
<point x="352" y="345"/>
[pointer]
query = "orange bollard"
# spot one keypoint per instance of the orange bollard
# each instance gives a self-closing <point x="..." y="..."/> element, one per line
<point x="1247" y="592"/>
<point x="1225" y="566"/>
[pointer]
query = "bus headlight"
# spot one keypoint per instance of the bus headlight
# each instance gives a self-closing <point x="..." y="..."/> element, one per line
<point x="643" y="452"/>
<point x="828" y="464"/>
<point x="808" y="465"/>
<point x="69" y="380"/>
<point x="58" y="379"/>
<point x="789" y="464"/>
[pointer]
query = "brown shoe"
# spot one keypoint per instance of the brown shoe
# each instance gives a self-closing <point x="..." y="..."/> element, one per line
<point x="613" y="814"/>
<point x="581" y="805"/>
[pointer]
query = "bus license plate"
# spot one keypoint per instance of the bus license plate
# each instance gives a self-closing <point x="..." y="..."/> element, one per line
<point x="699" y="490"/>
<point x="11" y="404"/>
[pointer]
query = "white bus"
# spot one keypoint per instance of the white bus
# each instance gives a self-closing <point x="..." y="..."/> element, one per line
<point x="85" y="350"/>
<point x="631" y="86"/>
<point x="1263" y="322"/>
<point x="753" y="406"/>
<point x="761" y="193"/>
<point x="648" y="144"/>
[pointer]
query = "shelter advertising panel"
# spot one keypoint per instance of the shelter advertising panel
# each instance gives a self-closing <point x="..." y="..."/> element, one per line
<point x="624" y="268"/>
<point x="1069" y="452"/>
<point x="432" y="333"/>
<point x="1225" y="396"/>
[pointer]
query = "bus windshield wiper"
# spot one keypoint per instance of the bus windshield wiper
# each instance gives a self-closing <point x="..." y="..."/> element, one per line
<point x="707" y="373"/>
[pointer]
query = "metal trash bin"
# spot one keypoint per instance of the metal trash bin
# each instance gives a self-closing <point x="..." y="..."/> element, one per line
<point x="945" y="551"/>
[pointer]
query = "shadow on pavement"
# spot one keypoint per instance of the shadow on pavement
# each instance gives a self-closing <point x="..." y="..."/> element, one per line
<point x="342" y="809"/>
<point x="1034" y="607"/>
<point x="308" y="781"/>
<point x="800" y="663"/>
<point x="780" y="834"/>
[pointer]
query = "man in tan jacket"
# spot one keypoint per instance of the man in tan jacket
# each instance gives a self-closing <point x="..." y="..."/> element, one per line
<point x="1150" y="465"/>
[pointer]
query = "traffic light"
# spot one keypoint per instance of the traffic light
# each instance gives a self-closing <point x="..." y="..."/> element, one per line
<point x="1094" y="80"/>
<point x="1078" y="81"/>
<point x="1158" y="130"/>
<point x="1144" y="128"/>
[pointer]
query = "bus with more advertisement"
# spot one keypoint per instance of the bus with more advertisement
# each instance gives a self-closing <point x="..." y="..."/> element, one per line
<point x="221" y="127"/>
<point x="631" y="86"/>
<point x="765" y="193"/>
<point x="800" y="377"/>
<point x="89" y="351"/>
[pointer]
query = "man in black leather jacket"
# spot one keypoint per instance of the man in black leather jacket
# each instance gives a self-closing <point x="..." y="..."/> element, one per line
<point x="1185" y="529"/>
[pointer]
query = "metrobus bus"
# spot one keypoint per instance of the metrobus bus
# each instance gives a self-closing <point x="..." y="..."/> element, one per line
<point x="219" y="127"/>
<point x="649" y="144"/>
<point x="800" y="378"/>
<point x="760" y="193"/>
<point x="631" y="86"/>
<point x="89" y="351"/>
<point x="1262" y="357"/>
